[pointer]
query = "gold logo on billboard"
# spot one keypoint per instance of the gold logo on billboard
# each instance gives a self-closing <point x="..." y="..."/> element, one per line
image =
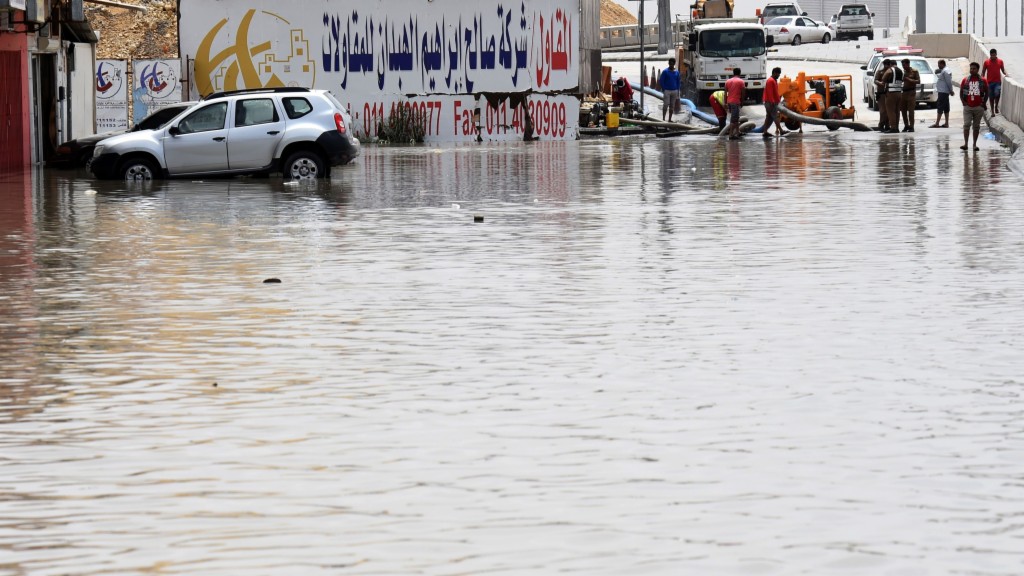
<point x="245" y="65"/>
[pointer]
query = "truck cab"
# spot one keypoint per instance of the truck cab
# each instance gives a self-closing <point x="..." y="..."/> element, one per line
<point x="715" y="48"/>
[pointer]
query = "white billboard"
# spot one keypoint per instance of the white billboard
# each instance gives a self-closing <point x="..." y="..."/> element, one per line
<point x="156" y="85"/>
<point x="111" y="95"/>
<point x="375" y="55"/>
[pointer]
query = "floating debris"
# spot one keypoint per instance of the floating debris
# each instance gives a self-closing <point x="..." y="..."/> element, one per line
<point x="272" y="281"/>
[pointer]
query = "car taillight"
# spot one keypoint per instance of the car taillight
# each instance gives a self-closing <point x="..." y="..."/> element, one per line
<point x="784" y="30"/>
<point x="339" y="122"/>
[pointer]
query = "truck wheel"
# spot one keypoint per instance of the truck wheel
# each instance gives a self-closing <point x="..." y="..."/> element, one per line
<point x="136" y="169"/>
<point x="304" y="165"/>
<point x="871" y="35"/>
<point x="792" y="124"/>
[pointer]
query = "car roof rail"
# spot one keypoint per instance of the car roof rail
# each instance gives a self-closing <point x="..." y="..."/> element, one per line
<point x="281" y="89"/>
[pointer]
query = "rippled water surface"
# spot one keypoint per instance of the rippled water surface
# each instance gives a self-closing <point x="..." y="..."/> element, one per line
<point x="650" y="357"/>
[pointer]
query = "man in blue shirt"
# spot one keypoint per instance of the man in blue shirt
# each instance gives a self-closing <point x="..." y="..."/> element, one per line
<point x="670" y="84"/>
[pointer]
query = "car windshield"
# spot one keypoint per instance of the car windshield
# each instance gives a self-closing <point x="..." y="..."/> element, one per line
<point x="732" y="43"/>
<point x="921" y="66"/>
<point x="782" y="21"/>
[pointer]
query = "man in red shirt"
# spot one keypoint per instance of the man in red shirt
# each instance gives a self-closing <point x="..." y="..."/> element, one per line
<point x="771" y="104"/>
<point x="994" y="71"/>
<point x="973" y="94"/>
<point x="735" y="91"/>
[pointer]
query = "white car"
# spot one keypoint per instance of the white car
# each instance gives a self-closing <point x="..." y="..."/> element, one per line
<point x="796" y="30"/>
<point x="298" y="132"/>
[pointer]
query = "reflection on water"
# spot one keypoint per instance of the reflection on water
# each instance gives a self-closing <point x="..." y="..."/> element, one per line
<point x="651" y="356"/>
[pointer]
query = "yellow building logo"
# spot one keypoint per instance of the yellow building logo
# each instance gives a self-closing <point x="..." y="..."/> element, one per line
<point x="247" y="65"/>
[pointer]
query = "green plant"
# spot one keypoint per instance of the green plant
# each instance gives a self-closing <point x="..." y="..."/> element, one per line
<point x="405" y="124"/>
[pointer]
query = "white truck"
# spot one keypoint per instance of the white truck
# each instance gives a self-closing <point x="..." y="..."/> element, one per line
<point x="716" y="46"/>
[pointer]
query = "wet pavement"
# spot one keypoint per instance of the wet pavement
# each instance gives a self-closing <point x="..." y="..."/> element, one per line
<point x="650" y="357"/>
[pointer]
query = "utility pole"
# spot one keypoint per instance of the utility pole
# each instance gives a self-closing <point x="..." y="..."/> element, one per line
<point x="643" y="68"/>
<point x="922" y="17"/>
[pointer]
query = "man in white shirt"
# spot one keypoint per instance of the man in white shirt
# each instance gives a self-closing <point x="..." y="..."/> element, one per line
<point x="944" y="87"/>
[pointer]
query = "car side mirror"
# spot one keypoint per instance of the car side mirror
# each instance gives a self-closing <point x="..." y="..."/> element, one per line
<point x="864" y="67"/>
<point x="804" y="14"/>
<point x="173" y="131"/>
<point x="769" y="41"/>
<point x="872" y="14"/>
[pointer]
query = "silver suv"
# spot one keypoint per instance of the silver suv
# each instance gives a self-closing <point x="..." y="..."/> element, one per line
<point x="296" y="131"/>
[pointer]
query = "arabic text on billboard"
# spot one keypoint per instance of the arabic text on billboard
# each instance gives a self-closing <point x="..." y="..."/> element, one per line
<point x="378" y="54"/>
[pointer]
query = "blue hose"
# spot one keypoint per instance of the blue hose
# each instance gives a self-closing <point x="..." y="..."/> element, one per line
<point x="709" y="118"/>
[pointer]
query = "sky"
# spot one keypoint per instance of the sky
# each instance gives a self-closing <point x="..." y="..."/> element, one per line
<point x="941" y="13"/>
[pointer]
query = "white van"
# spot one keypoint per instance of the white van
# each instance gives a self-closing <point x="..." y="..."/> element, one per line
<point x="854" y="21"/>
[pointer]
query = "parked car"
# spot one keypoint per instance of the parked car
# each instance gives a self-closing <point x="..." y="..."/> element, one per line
<point x="832" y="24"/>
<point x="776" y="9"/>
<point x="298" y="132"/>
<point x="78" y="152"/>
<point x="926" y="93"/>
<point x="854" y="21"/>
<point x="796" y="30"/>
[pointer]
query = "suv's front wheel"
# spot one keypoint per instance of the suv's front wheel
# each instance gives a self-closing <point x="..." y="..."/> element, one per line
<point x="304" y="165"/>
<point x="134" y="169"/>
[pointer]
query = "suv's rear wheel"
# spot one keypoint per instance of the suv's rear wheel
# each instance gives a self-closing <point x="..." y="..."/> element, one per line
<point x="134" y="169"/>
<point x="304" y="165"/>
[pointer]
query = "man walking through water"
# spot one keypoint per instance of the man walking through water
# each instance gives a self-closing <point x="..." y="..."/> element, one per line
<point x="670" y="84"/>
<point x="735" y="90"/>
<point x="994" y="71"/>
<point x="771" y="104"/>
<point x="973" y="94"/>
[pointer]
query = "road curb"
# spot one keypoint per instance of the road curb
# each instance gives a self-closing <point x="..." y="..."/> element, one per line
<point x="1011" y="134"/>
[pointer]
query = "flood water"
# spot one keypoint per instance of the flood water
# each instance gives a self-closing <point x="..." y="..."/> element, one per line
<point x="650" y="357"/>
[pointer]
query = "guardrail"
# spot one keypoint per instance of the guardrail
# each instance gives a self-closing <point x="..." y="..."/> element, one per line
<point x="613" y="37"/>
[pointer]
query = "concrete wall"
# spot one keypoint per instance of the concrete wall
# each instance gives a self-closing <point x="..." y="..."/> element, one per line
<point x="1010" y="122"/>
<point x="1011" y="103"/>
<point x="942" y="45"/>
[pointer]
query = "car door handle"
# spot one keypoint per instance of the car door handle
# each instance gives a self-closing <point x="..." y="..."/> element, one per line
<point x="274" y="132"/>
<point x="218" y="139"/>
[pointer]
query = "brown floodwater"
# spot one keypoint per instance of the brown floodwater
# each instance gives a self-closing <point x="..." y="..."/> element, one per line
<point x="649" y="357"/>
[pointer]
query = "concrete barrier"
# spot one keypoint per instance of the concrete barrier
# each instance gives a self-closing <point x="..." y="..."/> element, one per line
<point x="942" y="45"/>
<point x="1009" y="125"/>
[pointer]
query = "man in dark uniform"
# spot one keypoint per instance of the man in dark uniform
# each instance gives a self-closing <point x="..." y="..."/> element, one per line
<point x="881" y="89"/>
<point x="908" y="98"/>
<point x="893" y="78"/>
